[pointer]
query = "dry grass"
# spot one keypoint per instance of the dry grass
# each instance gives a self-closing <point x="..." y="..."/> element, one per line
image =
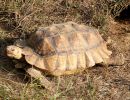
<point x="26" y="16"/>
<point x="20" y="18"/>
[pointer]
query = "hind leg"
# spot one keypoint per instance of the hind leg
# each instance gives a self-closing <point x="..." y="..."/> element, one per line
<point x="116" y="60"/>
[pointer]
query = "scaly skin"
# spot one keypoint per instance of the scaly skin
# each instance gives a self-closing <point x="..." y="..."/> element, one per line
<point x="14" y="52"/>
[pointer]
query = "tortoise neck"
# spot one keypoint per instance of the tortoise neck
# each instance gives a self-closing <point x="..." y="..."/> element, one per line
<point x="33" y="58"/>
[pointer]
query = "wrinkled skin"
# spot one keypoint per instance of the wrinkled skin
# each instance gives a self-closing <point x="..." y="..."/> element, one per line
<point x="14" y="52"/>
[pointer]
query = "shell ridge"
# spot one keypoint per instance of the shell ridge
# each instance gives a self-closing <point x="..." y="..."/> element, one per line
<point x="57" y="63"/>
<point x="74" y="51"/>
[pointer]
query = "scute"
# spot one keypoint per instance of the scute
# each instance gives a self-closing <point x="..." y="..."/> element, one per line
<point x="67" y="47"/>
<point x="64" y="38"/>
<point x="61" y="43"/>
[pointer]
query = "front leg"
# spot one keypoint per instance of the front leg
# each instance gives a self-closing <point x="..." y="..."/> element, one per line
<point x="43" y="80"/>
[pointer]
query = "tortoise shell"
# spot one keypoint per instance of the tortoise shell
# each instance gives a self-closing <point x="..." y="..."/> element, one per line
<point x="66" y="48"/>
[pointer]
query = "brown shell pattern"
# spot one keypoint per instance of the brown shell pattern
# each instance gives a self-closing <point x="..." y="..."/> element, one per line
<point x="66" y="48"/>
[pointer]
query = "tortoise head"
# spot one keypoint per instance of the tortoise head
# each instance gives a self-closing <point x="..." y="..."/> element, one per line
<point x="14" y="51"/>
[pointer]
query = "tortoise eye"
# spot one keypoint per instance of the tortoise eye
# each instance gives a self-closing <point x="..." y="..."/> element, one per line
<point x="13" y="50"/>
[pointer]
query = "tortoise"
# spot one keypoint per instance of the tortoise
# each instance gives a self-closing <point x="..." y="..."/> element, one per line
<point x="61" y="49"/>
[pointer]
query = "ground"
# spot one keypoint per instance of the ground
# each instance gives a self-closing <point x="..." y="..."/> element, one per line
<point x="97" y="83"/>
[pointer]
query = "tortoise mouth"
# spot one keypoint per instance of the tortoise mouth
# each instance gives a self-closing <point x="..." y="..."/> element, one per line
<point x="12" y="53"/>
<point x="9" y="54"/>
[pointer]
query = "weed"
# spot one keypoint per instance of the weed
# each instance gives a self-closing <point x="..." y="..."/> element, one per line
<point x="23" y="17"/>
